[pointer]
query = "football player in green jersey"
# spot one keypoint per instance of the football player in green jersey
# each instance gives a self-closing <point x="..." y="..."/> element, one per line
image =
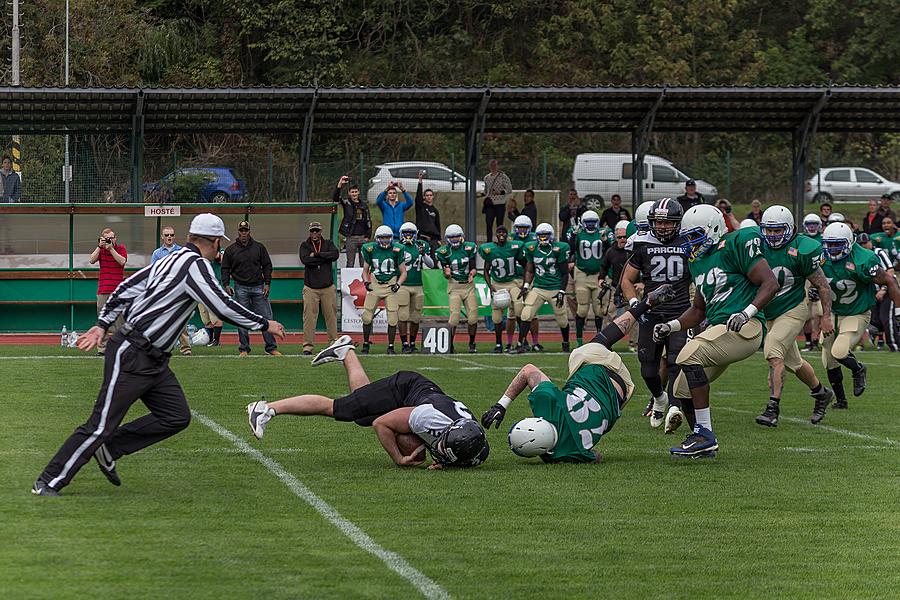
<point x="885" y="238"/>
<point x="852" y="273"/>
<point x="383" y="274"/>
<point x="501" y="273"/>
<point x="522" y="232"/>
<point x="812" y="226"/>
<point x="569" y="422"/>
<point x="457" y="258"/>
<point x="548" y="269"/>
<point x="794" y="259"/>
<point x="734" y="284"/>
<point x="587" y="246"/>
<point x="411" y="297"/>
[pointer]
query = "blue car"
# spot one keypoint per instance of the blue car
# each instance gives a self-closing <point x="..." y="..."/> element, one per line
<point x="221" y="185"/>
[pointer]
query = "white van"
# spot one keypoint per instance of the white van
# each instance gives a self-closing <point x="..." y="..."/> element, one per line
<point x="596" y="177"/>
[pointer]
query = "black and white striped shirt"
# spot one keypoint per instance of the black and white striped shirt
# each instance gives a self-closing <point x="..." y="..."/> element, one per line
<point x="159" y="299"/>
<point x="884" y="258"/>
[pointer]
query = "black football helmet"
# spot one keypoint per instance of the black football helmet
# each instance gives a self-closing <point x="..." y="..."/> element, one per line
<point x="665" y="219"/>
<point x="462" y="444"/>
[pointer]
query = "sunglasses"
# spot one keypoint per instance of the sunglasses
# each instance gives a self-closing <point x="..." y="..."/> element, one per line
<point x="168" y="235"/>
<point x="621" y="237"/>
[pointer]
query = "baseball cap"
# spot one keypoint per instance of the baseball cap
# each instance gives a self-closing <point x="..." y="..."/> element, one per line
<point x="886" y="197"/>
<point x="690" y="182"/>
<point x="244" y="225"/>
<point x="208" y="224"/>
<point x="315" y="225"/>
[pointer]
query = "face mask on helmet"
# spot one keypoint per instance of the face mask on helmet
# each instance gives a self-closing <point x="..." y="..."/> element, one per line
<point x="812" y="228"/>
<point x="695" y="242"/>
<point x="455" y="240"/>
<point x="665" y="230"/>
<point x="522" y="231"/>
<point x="544" y="237"/>
<point x="384" y="240"/>
<point x="642" y="227"/>
<point x="408" y="236"/>
<point x="777" y="236"/>
<point x="462" y="442"/>
<point x="836" y="248"/>
<point x="590" y="225"/>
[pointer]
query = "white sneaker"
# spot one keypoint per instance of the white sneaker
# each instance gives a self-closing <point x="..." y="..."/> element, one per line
<point x="659" y="410"/>
<point x="674" y="418"/>
<point x="258" y="415"/>
<point x="337" y="351"/>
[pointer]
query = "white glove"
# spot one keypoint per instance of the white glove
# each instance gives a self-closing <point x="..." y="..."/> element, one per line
<point x="737" y="320"/>
<point x="661" y="331"/>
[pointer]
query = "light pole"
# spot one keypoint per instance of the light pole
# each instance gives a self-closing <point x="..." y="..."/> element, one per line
<point x="16" y="81"/>
<point x="67" y="169"/>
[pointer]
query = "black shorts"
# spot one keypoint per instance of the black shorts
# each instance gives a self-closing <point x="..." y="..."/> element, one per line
<point x="650" y="351"/>
<point x="380" y="397"/>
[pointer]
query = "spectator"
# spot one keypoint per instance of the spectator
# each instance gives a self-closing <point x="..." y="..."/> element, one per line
<point x="529" y="208"/>
<point x="318" y="257"/>
<point x="10" y="183"/>
<point x="169" y="246"/>
<point x="872" y="221"/>
<point x="498" y="188"/>
<point x="883" y="319"/>
<point x="112" y="257"/>
<point x="615" y="213"/>
<point x="690" y="197"/>
<point x="756" y="211"/>
<point x="884" y="209"/>
<point x="356" y="226"/>
<point x="391" y="209"/>
<point x="825" y="211"/>
<point x="731" y="222"/>
<point x="571" y="212"/>
<point x="428" y="219"/>
<point x="247" y="262"/>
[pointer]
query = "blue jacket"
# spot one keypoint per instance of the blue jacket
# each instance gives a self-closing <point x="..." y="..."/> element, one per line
<point x="162" y="252"/>
<point x="392" y="216"/>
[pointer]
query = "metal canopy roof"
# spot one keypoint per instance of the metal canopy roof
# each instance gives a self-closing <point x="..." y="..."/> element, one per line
<point x="379" y="110"/>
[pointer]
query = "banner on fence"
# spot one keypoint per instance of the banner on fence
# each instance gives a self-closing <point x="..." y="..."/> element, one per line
<point x="353" y="294"/>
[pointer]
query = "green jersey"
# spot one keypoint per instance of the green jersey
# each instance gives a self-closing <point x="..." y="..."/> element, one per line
<point x="459" y="260"/>
<point x="582" y="412"/>
<point x="384" y="263"/>
<point x="412" y="258"/>
<point x="502" y="260"/>
<point x="631" y="229"/>
<point x="721" y="275"/>
<point x="521" y="261"/>
<point x="792" y="264"/>
<point x="852" y="290"/>
<point x="588" y="250"/>
<point x="547" y="261"/>
<point x="817" y="237"/>
<point x="881" y="239"/>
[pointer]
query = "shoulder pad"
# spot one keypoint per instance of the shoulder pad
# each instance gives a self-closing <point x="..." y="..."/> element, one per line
<point x="486" y="248"/>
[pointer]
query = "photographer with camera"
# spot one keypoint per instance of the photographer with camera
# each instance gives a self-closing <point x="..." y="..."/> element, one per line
<point x="356" y="226"/>
<point x="112" y="257"/>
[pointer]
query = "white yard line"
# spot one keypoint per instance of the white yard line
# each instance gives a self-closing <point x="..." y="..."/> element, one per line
<point x="392" y="560"/>
<point x="847" y="432"/>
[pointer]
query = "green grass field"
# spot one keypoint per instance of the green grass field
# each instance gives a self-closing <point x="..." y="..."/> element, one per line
<point x="793" y="512"/>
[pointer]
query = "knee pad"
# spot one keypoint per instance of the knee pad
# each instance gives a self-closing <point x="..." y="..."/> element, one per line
<point x="367" y="317"/>
<point x="695" y="375"/>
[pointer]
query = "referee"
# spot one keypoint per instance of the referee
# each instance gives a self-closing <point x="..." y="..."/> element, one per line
<point x="156" y="303"/>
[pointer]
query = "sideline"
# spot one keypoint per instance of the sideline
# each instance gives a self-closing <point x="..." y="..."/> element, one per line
<point x="394" y="561"/>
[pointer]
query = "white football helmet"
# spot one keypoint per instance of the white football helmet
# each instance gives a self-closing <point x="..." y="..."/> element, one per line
<point x="836" y="218"/>
<point x="777" y="226"/>
<point x="408" y="232"/>
<point x="701" y="228"/>
<point x="623" y="224"/>
<point x="384" y="236"/>
<point x="590" y="220"/>
<point x="812" y="223"/>
<point x="454" y="235"/>
<point x="522" y="226"/>
<point x="501" y="299"/>
<point x="642" y="215"/>
<point x="837" y="240"/>
<point x="200" y="337"/>
<point x="544" y="233"/>
<point x="748" y="223"/>
<point x="532" y="437"/>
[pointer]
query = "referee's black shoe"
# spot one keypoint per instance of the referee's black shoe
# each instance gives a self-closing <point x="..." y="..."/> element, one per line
<point x="40" y="488"/>
<point x="107" y="465"/>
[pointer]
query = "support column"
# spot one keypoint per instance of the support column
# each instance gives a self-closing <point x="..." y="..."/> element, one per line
<point x="137" y="150"/>
<point x="801" y="142"/>
<point x="474" y="138"/>
<point x="640" y="140"/>
<point x="306" y="146"/>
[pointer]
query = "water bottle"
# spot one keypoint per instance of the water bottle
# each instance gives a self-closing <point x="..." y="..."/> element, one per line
<point x="73" y="337"/>
<point x="191" y="330"/>
<point x="63" y="337"/>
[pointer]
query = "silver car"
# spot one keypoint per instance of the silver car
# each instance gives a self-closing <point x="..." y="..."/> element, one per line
<point x="849" y="184"/>
<point x="438" y="177"/>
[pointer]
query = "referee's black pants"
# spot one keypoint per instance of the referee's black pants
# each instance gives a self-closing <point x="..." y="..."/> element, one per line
<point x="132" y="370"/>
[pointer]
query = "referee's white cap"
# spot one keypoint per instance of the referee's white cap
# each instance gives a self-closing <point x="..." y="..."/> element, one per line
<point x="209" y="225"/>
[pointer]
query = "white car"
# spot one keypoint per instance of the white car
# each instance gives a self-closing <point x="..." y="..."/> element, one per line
<point x="849" y="184"/>
<point x="438" y="177"/>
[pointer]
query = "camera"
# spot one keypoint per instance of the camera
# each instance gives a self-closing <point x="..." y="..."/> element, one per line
<point x="105" y="240"/>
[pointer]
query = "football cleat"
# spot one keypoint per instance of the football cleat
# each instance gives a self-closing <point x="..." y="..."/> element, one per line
<point x="674" y="419"/>
<point x="390" y="350"/>
<point x="566" y="347"/>
<point x="258" y="415"/>
<point x="413" y="349"/>
<point x="822" y="399"/>
<point x="537" y="348"/>
<point x="840" y="405"/>
<point x="40" y="488"/>
<point x="648" y="410"/>
<point x="769" y="417"/>
<point x="701" y="440"/>
<point x="498" y="349"/>
<point x="859" y="381"/>
<point x="365" y="348"/>
<point x="472" y="349"/>
<point x="658" y="414"/>
<point x="107" y="465"/>
<point x="337" y="351"/>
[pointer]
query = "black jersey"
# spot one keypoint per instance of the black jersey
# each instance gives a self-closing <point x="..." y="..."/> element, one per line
<point x="660" y="263"/>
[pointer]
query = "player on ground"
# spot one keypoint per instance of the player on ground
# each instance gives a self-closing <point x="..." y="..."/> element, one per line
<point x="384" y="272"/>
<point x="734" y="284"/>
<point x="457" y="258"/>
<point x="411" y="297"/>
<point x="794" y="259"/>
<point x="571" y="421"/>
<point x="852" y="272"/>
<point x="548" y="269"/>
<point x="522" y="233"/>
<point x="587" y="245"/>
<point x="404" y="403"/>
<point x="658" y="259"/>
<point x="500" y="273"/>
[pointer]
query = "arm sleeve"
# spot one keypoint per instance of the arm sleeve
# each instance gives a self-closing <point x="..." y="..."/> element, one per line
<point x="409" y="201"/>
<point x="329" y="252"/>
<point x="122" y="297"/>
<point x="266" y="263"/>
<point x="437" y="221"/>
<point x="203" y="287"/>
<point x="379" y="201"/>
<point x="336" y="196"/>
<point x="226" y="268"/>
<point x="306" y="259"/>
<point x="604" y="265"/>
<point x="420" y="197"/>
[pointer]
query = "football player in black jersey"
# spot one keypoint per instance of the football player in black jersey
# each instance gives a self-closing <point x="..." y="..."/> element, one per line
<point x="657" y="261"/>
<point x="402" y="404"/>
